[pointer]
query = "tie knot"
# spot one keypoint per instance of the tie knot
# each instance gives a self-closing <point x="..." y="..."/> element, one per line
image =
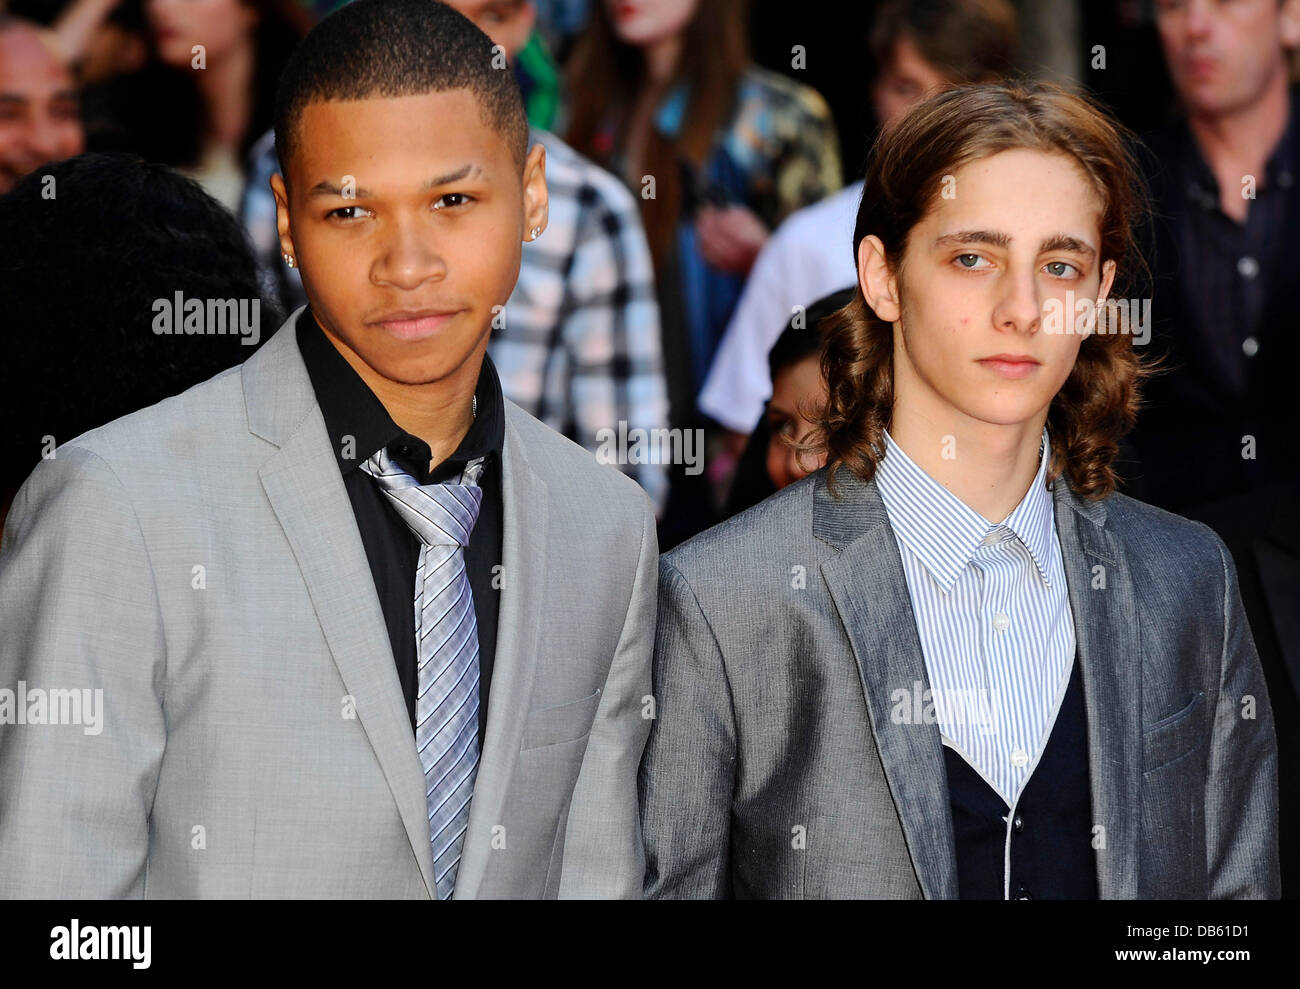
<point x="438" y="514"/>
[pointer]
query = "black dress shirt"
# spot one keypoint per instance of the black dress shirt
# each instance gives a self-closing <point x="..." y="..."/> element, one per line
<point x="358" y="426"/>
<point x="1224" y="313"/>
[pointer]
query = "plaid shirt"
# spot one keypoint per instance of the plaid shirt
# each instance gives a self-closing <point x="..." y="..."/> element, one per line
<point x="579" y="345"/>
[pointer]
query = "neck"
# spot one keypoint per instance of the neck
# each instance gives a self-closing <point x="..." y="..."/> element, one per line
<point x="227" y="89"/>
<point x="438" y="412"/>
<point x="1238" y="142"/>
<point x="661" y="59"/>
<point x="988" y="466"/>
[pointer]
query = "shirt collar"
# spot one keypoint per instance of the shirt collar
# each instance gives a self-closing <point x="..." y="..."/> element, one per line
<point x="944" y="532"/>
<point x="359" y="425"/>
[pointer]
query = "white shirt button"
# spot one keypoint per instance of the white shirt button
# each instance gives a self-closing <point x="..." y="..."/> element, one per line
<point x="1001" y="622"/>
<point x="1020" y="758"/>
<point x="992" y="538"/>
<point x="1250" y="346"/>
<point x="1248" y="267"/>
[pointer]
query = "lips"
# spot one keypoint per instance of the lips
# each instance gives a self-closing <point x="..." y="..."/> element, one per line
<point x="415" y="324"/>
<point x="1010" y="365"/>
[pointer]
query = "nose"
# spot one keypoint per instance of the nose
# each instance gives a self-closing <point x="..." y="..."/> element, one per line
<point x="408" y="256"/>
<point x="1198" y="18"/>
<point x="1018" y="309"/>
<point x="45" y="139"/>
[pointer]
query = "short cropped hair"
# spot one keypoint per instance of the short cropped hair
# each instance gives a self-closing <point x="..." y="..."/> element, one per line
<point x="391" y="48"/>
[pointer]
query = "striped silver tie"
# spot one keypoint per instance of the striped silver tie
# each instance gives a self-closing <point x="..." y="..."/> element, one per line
<point x="446" y="636"/>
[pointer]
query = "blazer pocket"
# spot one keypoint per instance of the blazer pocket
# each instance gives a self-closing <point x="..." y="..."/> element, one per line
<point x="1173" y="737"/>
<point x="565" y="723"/>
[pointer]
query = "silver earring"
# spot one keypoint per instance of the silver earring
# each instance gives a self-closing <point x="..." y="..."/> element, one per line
<point x="537" y="232"/>
<point x="288" y="259"/>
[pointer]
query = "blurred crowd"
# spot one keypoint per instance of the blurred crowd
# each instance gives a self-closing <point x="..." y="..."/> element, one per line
<point x="704" y="161"/>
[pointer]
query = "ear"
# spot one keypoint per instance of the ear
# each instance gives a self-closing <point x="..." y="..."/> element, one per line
<point x="879" y="286"/>
<point x="282" y="214"/>
<point x="527" y="21"/>
<point x="1289" y="24"/>
<point x="536" y="197"/>
<point x="1107" y="281"/>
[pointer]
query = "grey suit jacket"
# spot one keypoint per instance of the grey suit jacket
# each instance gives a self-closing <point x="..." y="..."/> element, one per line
<point x="199" y="563"/>
<point x="774" y="768"/>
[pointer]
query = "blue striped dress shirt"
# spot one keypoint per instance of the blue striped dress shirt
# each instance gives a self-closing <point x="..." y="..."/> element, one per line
<point x="992" y="613"/>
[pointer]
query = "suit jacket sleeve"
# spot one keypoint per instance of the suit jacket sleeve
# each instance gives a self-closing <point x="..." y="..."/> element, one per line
<point x="603" y="853"/>
<point x="79" y="612"/>
<point x="1241" y="804"/>
<point x="688" y="771"/>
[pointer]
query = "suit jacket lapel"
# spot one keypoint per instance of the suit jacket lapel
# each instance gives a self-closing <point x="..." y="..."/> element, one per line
<point x="867" y="583"/>
<point x="1109" y="653"/>
<point x="306" y="492"/>
<point x="523" y="560"/>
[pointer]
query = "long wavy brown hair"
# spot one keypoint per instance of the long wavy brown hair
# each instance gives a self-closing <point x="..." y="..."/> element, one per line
<point x="1098" y="403"/>
<point x="607" y="76"/>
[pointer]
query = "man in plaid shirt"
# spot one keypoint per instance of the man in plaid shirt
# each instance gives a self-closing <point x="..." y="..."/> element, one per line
<point x="578" y="343"/>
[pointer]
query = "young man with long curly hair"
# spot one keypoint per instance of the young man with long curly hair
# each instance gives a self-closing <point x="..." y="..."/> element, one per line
<point x="955" y="662"/>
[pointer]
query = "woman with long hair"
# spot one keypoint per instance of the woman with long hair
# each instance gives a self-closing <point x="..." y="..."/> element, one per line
<point x="718" y="150"/>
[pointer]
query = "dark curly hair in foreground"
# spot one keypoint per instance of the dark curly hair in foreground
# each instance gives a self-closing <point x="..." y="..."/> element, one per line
<point x="1098" y="403"/>
<point x="79" y="275"/>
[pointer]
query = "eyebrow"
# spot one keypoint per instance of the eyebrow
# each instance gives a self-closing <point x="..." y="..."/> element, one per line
<point x="1057" y="242"/>
<point x="58" y="96"/>
<point x="328" y="188"/>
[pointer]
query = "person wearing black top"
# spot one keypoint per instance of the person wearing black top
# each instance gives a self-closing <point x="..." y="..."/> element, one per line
<point x="361" y="627"/>
<point x="358" y="425"/>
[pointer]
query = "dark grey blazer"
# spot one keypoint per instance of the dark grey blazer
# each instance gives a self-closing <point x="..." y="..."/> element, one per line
<point x="774" y="768"/>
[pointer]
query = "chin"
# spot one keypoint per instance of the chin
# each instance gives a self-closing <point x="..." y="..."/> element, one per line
<point x="418" y="363"/>
<point x="1004" y="413"/>
<point x="417" y="371"/>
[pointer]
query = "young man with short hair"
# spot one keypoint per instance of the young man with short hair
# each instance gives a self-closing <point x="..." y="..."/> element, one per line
<point x="361" y="627"/>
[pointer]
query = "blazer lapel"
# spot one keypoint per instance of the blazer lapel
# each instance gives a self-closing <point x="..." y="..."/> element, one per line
<point x="1109" y="653"/>
<point x="523" y="561"/>
<point x="867" y="583"/>
<point x="306" y="492"/>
